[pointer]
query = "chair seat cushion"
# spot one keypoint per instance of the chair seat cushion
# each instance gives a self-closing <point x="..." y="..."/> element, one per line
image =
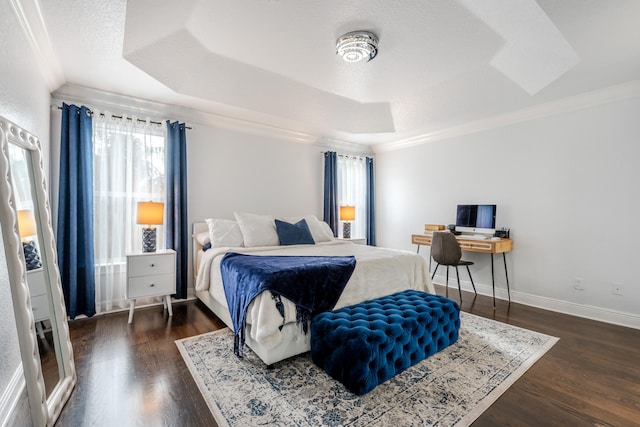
<point x="368" y="343"/>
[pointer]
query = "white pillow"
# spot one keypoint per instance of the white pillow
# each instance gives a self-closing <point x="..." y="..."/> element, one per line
<point x="319" y="232"/>
<point x="328" y="232"/>
<point x="257" y="230"/>
<point x="224" y="232"/>
<point x="202" y="237"/>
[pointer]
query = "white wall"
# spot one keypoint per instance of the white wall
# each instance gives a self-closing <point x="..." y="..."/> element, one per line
<point x="231" y="171"/>
<point x="24" y="99"/>
<point x="24" y="96"/>
<point x="566" y="185"/>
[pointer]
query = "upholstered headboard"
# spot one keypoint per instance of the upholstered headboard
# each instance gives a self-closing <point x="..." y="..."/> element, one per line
<point x="258" y="230"/>
<point x="197" y="228"/>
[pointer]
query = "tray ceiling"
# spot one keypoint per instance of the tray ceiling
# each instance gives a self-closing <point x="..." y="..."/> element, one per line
<point x="441" y="64"/>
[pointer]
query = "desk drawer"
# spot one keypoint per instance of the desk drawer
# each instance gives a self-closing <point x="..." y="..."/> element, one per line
<point x="151" y="265"/>
<point x="417" y="239"/>
<point x="476" y="246"/>
<point x="146" y="286"/>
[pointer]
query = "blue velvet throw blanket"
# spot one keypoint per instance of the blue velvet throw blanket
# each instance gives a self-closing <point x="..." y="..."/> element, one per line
<point x="313" y="283"/>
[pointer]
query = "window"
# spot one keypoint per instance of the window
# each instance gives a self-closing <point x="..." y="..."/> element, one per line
<point x="352" y="190"/>
<point x="128" y="167"/>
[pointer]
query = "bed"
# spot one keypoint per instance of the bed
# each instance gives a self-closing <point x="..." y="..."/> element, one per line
<point x="378" y="272"/>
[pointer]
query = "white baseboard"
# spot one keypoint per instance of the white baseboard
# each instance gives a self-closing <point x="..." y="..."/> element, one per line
<point x="11" y="395"/>
<point x="587" y="311"/>
<point x="581" y="310"/>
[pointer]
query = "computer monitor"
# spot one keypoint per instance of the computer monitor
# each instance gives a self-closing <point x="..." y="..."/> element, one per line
<point x="476" y="219"/>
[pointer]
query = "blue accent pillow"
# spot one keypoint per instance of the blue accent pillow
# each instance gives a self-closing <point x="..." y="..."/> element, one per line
<point x="294" y="234"/>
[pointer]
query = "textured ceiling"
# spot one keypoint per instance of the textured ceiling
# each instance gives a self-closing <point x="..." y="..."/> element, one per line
<point x="441" y="63"/>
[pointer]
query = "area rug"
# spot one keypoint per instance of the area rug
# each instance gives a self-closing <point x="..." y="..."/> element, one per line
<point x="451" y="388"/>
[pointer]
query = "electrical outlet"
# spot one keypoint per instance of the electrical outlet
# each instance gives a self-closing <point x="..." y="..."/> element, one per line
<point x="616" y="289"/>
<point x="578" y="284"/>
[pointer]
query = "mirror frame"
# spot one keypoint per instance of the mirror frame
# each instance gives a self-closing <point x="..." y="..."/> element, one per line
<point x="44" y="411"/>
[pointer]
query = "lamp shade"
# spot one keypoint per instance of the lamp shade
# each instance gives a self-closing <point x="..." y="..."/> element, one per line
<point x="150" y="213"/>
<point x="26" y="223"/>
<point x="347" y="213"/>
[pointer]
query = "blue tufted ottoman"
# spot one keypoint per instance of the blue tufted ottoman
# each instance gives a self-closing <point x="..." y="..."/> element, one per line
<point x="366" y="344"/>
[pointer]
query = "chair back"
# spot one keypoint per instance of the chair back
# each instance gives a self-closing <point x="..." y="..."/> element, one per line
<point x="445" y="249"/>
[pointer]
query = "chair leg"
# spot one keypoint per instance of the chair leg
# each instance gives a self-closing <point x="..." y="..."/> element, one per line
<point x="447" y="283"/>
<point x="471" y="278"/>
<point x="434" y="271"/>
<point x="459" y="289"/>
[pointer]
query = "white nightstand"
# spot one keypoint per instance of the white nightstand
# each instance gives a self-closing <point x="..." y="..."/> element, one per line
<point x="39" y="301"/>
<point x="151" y="274"/>
<point x="356" y="241"/>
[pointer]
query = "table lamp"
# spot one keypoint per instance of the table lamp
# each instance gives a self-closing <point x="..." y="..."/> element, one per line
<point x="27" y="228"/>
<point x="149" y="213"/>
<point x="347" y="213"/>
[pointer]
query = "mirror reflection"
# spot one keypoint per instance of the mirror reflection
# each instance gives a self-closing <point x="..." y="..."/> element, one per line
<point x="28" y="227"/>
<point x="28" y="234"/>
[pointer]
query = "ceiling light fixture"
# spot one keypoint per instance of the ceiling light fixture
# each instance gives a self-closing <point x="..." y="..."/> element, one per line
<point x="357" y="45"/>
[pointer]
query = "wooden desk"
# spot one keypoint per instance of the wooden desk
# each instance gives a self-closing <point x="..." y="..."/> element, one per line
<point x="487" y="246"/>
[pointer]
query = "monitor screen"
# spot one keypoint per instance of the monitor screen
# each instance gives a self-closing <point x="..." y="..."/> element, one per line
<point x="476" y="216"/>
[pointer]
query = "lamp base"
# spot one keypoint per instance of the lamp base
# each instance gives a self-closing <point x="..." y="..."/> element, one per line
<point x="346" y="230"/>
<point x="148" y="240"/>
<point x="31" y="255"/>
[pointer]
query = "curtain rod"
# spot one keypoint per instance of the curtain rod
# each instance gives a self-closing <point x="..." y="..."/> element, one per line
<point x="349" y="155"/>
<point x="128" y="118"/>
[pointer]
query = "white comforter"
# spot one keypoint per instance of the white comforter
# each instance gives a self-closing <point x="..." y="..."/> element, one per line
<point x="378" y="272"/>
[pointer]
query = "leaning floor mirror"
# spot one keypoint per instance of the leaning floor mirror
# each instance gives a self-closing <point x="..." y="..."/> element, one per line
<point x="36" y="291"/>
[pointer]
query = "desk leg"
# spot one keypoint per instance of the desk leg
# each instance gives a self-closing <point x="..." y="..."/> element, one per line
<point x="418" y="251"/>
<point x="493" y="283"/>
<point x="506" y="275"/>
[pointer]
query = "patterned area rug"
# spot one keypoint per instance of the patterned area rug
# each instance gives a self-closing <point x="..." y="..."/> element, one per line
<point x="451" y="388"/>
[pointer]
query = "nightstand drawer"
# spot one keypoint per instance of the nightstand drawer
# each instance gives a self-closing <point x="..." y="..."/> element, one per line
<point x="160" y="284"/>
<point x="36" y="282"/>
<point x="151" y="264"/>
<point x="40" y="308"/>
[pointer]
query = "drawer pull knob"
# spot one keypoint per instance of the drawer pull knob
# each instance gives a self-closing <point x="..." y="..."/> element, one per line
<point x="153" y="265"/>
<point x="153" y="284"/>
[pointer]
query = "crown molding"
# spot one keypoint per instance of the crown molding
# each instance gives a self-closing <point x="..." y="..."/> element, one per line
<point x="130" y="105"/>
<point x="118" y="103"/>
<point x="30" y="17"/>
<point x="115" y="102"/>
<point x="578" y="102"/>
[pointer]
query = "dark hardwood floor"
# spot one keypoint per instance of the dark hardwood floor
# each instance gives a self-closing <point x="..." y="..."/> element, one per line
<point x="133" y="375"/>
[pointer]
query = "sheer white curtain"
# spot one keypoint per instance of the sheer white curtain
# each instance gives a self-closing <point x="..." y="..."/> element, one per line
<point x="129" y="166"/>
<point x="352" y="190"/>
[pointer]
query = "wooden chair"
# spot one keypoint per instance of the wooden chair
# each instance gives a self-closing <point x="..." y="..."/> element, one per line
<point x="445" y="250"/>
